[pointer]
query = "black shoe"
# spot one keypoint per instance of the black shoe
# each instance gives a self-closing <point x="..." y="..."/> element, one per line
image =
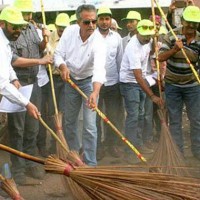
<point x="35" y="172"/>
<point x="20" y="178"/>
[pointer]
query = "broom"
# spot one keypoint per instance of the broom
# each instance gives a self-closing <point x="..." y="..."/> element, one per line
<point x="114" y="184"/>
<point x="106" y="120"/>
<point x="9" y="186"/>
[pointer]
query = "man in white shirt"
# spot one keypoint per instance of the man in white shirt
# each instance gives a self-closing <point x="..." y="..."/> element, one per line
<point x="131" y="21"/>
<point x="81" y="55"/>
<point x="12" y="23"/>
<point x="133" y="86"/>
<point x="110" y="93"/>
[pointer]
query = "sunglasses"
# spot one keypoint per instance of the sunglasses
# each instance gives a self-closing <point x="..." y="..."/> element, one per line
<point x="87" y="22"/>
<point x="147" y="27"/>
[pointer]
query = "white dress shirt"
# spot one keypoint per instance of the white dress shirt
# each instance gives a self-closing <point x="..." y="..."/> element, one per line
<point x="135" y="56"/>
<point x="7" y="74"/>
<point x="84" y="59"/>
<point x="114" y="55"/>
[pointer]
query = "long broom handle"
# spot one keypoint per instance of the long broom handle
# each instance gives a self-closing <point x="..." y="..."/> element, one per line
<point x="49" y="65"/>
<point x="21" y="154"/>
<point x="155" y="39"/>
<point x="176" y="38"/>
<point x="53" y="134"/>
<point x="106" y="120"/>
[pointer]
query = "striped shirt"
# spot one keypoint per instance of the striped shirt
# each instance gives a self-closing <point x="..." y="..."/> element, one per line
<point x="178" y="71"/>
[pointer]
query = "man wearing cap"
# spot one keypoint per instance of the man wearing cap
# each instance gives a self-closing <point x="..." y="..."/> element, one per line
<point x="131" y="20"/>
<point x="133" y="85"/>
<point x="61" y="22"/>
<point x="27" y="51"/>
<point x="12" y="24"/>
<point x="114" y="25"/>
<point x="181" y="86"/>
<point x="72" y="19"/>
<point x="110" y="92"/>
<point x="81" y="55"/>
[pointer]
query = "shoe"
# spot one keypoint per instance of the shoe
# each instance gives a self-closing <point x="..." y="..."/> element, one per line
<point x="115" y="151"/>
<point x="143" y="149"/>
<point x="100" y="153"/>
<point x="19" y="178"/>
<point x="35" y="172"/>
<point x="131" y="159"/>
<point x="43" y="152"/>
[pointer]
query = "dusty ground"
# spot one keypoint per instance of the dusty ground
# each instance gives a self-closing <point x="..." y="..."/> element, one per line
<point x="52" y="187"/>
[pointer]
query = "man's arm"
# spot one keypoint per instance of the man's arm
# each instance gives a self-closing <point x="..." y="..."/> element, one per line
<point x="138" y="76"/>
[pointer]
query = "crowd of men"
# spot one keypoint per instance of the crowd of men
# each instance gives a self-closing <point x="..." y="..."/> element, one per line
<point x="119" y="75"/>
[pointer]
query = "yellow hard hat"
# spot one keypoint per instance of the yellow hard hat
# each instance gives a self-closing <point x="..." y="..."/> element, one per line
<point x="62" y="19"/>
<point x="24" y="5"/>
<point x="145" y="27"/>
<point x="103" y="11"/>
<point x="72" y="18"/>
<point x="12" y="15"/>
<point x="191" y="14"/>
<point x="133" y="15"/>
<point x="51" y="27"/>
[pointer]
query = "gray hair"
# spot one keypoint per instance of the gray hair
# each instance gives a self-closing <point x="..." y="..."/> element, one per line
<point x="81" y="8"/>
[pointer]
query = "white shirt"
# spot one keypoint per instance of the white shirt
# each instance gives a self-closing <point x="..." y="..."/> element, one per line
<point x="7" y="74"/>
<point x="84" y="59"/>
<point x="135" y="56"/>
<point x="114" y="55"/>
<point x="125" y="40"/>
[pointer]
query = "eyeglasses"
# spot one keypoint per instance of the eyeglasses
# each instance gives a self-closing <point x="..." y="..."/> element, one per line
<point x="87" y="22"/>
<point x="147" y="27"/>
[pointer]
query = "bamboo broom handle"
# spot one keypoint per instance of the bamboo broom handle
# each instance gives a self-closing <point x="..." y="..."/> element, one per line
<point x="49" y="66"/>
<point x="53" y="134"/>
<point x="155" y="39"/>
<point x="106" y="120"/>
<point x="176" y="38"/>
<point x="21" y="154"/>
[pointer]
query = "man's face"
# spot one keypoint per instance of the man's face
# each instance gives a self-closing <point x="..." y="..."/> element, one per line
<point x="190" y="27"/>
<point x="60" y="30"/>
<point x="87" y="23"/>
<point x="12" y="31"/>
<point x="104" y="22"/>
<point x="131" y="25"/>
<point x="144" y="39"/>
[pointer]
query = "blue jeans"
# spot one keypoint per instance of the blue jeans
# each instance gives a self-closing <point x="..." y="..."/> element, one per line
<point x="23" y="130"/>
<point x="176" y="97"/>
<point x="73" y="102"/>
<point x="134" y="98"/>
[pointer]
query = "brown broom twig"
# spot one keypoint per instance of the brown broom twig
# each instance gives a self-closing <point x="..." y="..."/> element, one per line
<point x="9" y="186"/>
<point x="114" y="184"/>
<point x="167" y="153"/>
<point x="176" y="38"/>
<point x="106" y="120"/>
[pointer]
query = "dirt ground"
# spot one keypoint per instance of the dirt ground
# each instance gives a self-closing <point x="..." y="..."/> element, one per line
<point x="53" y="188"/>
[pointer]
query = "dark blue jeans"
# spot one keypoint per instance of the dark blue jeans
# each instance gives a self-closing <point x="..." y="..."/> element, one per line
<point x="134" y="98"/>
<point x="176" y="97"/>
<point x="23" y="130"/>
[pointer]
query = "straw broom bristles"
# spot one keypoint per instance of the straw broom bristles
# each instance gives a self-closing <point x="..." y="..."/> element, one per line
<point x="9" y="186"/>
<point x="167" y="153"/>
<point x="122" y="184"/>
